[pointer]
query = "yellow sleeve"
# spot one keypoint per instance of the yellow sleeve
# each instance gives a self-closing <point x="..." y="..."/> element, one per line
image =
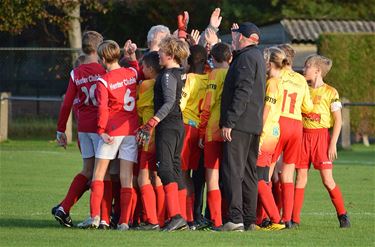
<point x="307" y="104"/>
<point x="185" y="94"/>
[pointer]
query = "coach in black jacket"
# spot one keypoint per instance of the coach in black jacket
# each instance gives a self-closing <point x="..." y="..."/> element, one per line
<point x="241" y="120"/>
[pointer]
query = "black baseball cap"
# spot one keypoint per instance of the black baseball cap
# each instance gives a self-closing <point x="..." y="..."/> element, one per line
<point x="247" y="29"/>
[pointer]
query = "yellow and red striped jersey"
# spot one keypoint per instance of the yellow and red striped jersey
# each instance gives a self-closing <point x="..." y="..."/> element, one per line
<point x="273" y="99"/>
<point x="296" y="96"/>
<point x="326" y="100"/>
<point x="192" y="98"/>
<point x="210" y="116"/>
<point x="145" y="106"/>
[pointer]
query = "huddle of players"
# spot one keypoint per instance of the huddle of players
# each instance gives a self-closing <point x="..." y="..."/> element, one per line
<point x="112" y="104"/>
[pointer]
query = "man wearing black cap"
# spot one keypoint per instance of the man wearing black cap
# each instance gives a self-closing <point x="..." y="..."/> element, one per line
<point x="241" y="122"/>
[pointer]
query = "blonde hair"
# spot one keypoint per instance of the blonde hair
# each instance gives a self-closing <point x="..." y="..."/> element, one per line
<point x="321" y="62"/>
<point x="109" y="50"/>
<point x="276" y="56"/>
<point x="176" y="48"/>
<point x="289" y="52"/>
<point x="91" y="41"/>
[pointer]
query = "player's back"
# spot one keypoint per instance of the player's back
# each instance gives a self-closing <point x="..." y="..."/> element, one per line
<point x="215" y="90"/>
<point x="192" y="97"/>
<point x="296" y="96"/>
<point x="145" y="100"/>
<point x="84" y="79"/>
<point x="121" y="89"/>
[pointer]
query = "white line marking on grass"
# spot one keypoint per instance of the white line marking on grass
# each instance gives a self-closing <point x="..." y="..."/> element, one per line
<point x="354" y="162"/>
<point x="35" y="151"/>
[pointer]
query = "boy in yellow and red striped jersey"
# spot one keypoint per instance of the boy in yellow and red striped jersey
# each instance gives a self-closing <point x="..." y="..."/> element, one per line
<point x="210" y="138"/>
<point x="191" y="103"/>
<point x="318" y="147"/>
<point x="153" y="204"/>
<point x="296" y="99"/>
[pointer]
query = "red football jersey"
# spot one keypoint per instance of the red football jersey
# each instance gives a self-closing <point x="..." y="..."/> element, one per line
<point x="117" y="113"/>
<point x="82" y="92"/>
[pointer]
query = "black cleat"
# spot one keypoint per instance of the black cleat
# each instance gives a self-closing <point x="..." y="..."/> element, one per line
<point x="344" y="221"/>
<point x="63" y="218"/>
<point x="176" y="223"/>
<point x="291" y="225"/>
<point x="265" y="223"/>
<point x="54" y="209"/>
<point x="148" y="227"/>
<point x="104" y="225"/>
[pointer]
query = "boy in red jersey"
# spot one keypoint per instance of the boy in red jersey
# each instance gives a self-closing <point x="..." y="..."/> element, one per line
<point x="147" y="176"/>
<point x="117" y="123"/>
<point x="317" y="146"/>
<point x="191" y="104"/>
<point x="296" y="99"/>
<point x="209" y="131"/>
<point x="82" y="93"/>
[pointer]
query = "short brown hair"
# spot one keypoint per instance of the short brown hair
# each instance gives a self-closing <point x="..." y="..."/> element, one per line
<point x="176" y="48"/>
<point x="109" y="50"/>
<point x="91" y="41"/>
<point x="289" y="52"/>
<point x="221" y="52"/>
<point x="321" y="62"/>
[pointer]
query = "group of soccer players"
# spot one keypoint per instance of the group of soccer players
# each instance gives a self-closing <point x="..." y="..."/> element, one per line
<point x="139" y="158"/>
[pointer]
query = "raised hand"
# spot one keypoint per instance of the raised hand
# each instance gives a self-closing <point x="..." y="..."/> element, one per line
<point x="211" y="37"/>
<point x="215" y="19"/>
<point x="194" y="37"/>
<point x="130" y="49"/>
<point x="182" y="23"/>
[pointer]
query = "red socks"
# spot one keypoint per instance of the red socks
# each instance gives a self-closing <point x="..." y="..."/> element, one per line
<point x="182" y="194"/>
<point x="267" y="201"/>
<point x="277" y="195"/>
<point x="172" y="199"/>
<point x="160" y="204"/>
<point x="106" y="204"/>
<point x="288" y="198"/>
<point x="149" y="203"/>
<point x="126" y="205"/>
<point x="214" y="205"/>
<point x="97" y="191"/>
<point x="76" y="190"/>
<point x="190" y="207"/>
<point x="337" y="200"/>
<point x="299" y="194"/>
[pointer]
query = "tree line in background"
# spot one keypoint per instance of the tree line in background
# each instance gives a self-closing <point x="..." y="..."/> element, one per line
<point x="119" y="20"/>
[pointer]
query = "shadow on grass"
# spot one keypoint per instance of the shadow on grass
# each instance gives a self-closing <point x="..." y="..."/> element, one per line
<point x="28" y="223"/>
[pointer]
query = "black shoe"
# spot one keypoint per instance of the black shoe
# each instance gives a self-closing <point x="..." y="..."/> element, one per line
<point x="63" y="218"/>
<point x="176" y="223"/>
<point x="114" y="221"/>
<point x="265" y="223"/>
<point x="148" y="227"/>
<point x="344" y="221"/>
<point x="54" y="209"/>
<point x="104" y="226"/>
<point x="200" y="224"/>
<point x="291" y="225"/>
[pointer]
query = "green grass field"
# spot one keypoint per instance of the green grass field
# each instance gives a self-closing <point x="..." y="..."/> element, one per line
<point x="34" y="176"/>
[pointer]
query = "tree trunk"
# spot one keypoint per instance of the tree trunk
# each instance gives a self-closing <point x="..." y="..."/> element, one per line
<point x="74" y="32"/>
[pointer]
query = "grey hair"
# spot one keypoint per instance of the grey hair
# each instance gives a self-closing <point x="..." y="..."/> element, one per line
<point x="156" y="29"/>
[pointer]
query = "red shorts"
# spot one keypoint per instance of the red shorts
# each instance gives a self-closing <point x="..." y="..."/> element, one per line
<point x="264" y="159"/>
<point x="290" y="141"/>
<point x="315" y="144"/>
<point x="190" y="151"/>
<point x="213" y="154"/>
<point x="147" y="161"/>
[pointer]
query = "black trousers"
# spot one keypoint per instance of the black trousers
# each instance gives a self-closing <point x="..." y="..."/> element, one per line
<point x="239" y="177"/>
<point x="169" y="141"/>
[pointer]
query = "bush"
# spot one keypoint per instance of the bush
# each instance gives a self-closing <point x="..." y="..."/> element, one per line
<point x="352" y="73"/>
